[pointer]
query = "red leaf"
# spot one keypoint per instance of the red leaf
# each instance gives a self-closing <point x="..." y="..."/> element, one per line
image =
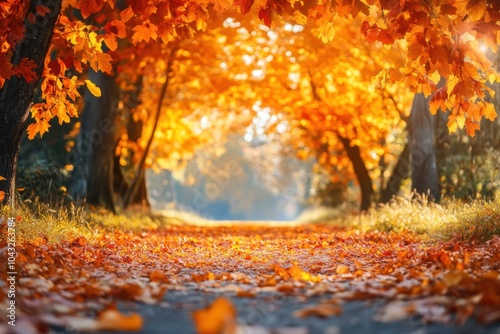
<point x="244" y="5"/>
<point x="42" y="10"/>
<point x="89" y="7"/>
<point x="385" y="37"/>
<point x="26" y="70"/>
<point x="5" y="67"/>
<point x="137" y="5"/>
<point x="54" y="67"/>
<point x="265" y="15"/>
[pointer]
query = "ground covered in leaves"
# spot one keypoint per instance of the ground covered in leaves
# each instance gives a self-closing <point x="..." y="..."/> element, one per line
<point x="77" y="284"/>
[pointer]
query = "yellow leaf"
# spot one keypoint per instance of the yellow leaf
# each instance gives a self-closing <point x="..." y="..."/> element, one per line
<point x="96" y="91"/>
<point x="452" y="124"/>
<point x="435" y="77"/>
<point x="476" y="9"/>
<point x="327" y="32"/>
<point x="342" y="269"/>
<point x="299" y="17"/>
<point x="489" y="111"/>
<point x="460" y="121"/>
<point x="201" y="24"/>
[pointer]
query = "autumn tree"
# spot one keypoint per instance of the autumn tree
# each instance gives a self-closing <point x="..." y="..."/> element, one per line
<point x="27" y="35"/>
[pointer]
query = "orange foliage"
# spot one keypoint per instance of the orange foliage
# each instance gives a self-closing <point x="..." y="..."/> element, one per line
<point x="434" y="38"/>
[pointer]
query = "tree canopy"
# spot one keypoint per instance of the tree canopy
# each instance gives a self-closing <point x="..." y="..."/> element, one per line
<point x="434" y="39"/>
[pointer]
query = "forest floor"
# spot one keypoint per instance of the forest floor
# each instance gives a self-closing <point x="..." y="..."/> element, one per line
<point x="249" y="278"/>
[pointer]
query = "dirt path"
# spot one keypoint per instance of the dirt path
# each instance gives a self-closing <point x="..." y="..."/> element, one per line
<point x="361" y="283"/>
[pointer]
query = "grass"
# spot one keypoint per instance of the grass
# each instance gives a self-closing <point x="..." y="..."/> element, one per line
<point x="40" y="222"/>
<point x="478" y="220"/>
<point x="43" y="223"/>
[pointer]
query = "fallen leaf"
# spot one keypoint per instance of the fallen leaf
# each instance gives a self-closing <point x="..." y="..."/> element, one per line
<point x="217" y="318"/>
<point x="322" y="310"/>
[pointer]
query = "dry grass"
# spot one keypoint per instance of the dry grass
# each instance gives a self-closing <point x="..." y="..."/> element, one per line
<point x="49" y="224"/>
<point x="478" y="220"/>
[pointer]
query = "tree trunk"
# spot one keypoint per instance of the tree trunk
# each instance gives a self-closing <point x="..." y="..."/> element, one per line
<point x="364" y="180"/>
<point x="424" y="175"/>
<point x="400" y="172"/>
<point x="92" y="179"/>
<point x="134" y="131"/>
<point x="17" y="94"/>
<point x="140" y="172"/>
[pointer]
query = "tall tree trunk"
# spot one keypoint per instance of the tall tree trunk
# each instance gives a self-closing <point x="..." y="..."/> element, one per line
<point x="364" y="180"/>
<point x="92" y="179"/>
<point x="424" y="175"/>
<point x="17" y="94"/>
<point x="134" y="128"/>
<point x="134" y="131"/>
<point x="400" y="172"/>
<point x="140" y="172"/>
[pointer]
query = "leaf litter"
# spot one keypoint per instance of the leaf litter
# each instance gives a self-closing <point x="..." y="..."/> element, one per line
<point x="75" y="284"/>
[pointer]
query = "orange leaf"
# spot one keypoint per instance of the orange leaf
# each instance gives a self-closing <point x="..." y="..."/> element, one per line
<point x="144" y="32"/>
<point x="220" y="317"/>
<point x="109" y="319"/>
<point x="38" y="127"/>
<point x="438" y="100"/>
<point x="476" y="9"/>
<point x="158" y="276"/>
<point x="342" y="269"/>
<point x="102" y="62"/>
<point x="2" y="195"/>
<point x="322" y="310"/>
<point x="489" y="111"/>
<point x="471" y="127"/>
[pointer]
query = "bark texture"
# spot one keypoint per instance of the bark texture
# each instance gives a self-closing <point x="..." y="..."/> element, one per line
<point x="400" y="172"/>
<point x="17" y="94"/>
<point x="364" y="180"/>
<point x="93" y="157"/>
<point x="424" y="174"/>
